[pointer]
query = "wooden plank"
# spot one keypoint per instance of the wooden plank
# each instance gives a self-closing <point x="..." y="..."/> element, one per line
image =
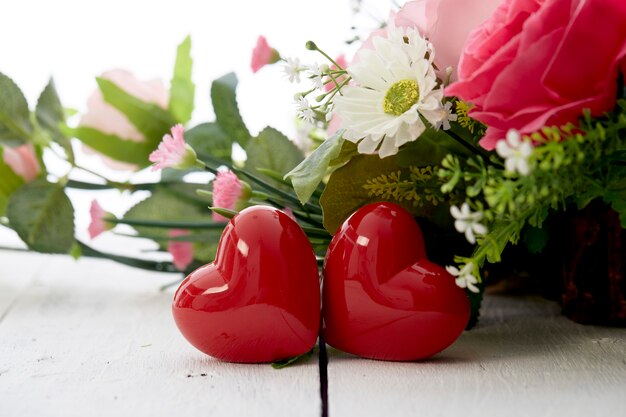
<point x="94" y="338"/>
<point x="12" y="284"/>
<point x="524" y="359"/>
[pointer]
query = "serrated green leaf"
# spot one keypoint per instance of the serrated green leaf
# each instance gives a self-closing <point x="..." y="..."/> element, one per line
<point x="272" y="150"/>
<point x="182" y="88"/>
<point x="344" y="192"/>
<point x="150" y="119"/>
<point x="124" y="150"/>
<point x="42" y="216"/>
<point x="310" y="172"/>
<point x="50" y="114"/>
<point x="224" y="99"/>
<point x="9" y="182"/>
<point x="15" y="124"/>
<point x="164" y="205"/>
<point x="210" y="139"/>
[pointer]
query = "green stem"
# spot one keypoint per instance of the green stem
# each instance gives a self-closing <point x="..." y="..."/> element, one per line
<point x="158" y="266"/>
<point x="469" y="146"/>
<point x="184" y="238"/>
<point x="90" y="252"/>
<point x="168" y="224"/>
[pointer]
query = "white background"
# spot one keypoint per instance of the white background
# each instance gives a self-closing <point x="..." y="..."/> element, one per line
<point x="75" y="41"/>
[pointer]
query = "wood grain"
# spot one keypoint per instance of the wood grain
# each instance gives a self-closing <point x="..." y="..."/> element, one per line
<point x="94" y="338"/>
<point x="524" y="359"/>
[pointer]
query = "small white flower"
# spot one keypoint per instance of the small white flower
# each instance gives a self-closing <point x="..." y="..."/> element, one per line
<point x="316" y="75"/>
<point x="447" y="115"/>
<point x="394" y="87"/>
<point x="515" y="152"/>
<point x="293" y="69"/>
<point x="305" y="112"/>
<point x="464" y="277"/>
<point x="468" y="222"/>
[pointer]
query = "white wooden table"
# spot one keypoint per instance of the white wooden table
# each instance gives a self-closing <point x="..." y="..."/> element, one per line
<point x="94" y="338"/>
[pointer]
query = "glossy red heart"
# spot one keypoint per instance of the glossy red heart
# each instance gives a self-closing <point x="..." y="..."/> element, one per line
<point x="259" y="301"/>
<point x="382" y="298"/>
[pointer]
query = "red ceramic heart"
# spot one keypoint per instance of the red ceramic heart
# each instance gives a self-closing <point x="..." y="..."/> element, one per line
<point x="382" y="298"/>
<point x="259" y="301"/>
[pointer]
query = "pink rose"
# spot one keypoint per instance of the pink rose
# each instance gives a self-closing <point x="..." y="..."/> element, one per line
<point x="263" y="54"/>
<point x="102" y="116"/>
<point x="537" y="62"/>
<point x="446" y="24"/>
<point x="22" y="161"/>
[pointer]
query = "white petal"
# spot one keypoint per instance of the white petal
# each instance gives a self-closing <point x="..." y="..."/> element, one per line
<point x="367" y="146"/>
<point x="461" y="226"/>
<point x="455" y="212"/>
<point x="460" y="282"/>
<point x="479" y="229"/>
<point x="387" y="148"/>
<point x="473" y="288"/>
<point x="453" y="270"/>
<point x="469" y="235"/>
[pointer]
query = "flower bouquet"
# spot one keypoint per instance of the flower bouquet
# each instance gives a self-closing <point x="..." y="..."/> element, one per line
<point x="491" y="123"/>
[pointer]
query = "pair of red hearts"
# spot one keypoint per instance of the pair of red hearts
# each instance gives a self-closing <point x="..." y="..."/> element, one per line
<point x="259" y="301"/>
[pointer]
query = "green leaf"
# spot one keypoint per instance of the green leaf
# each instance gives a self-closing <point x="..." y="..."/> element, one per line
<point x="182" y="89"/>
<point x="274" y="151"/>
<point x="50" y="115"/>
<point x="210" y="139"/>
<point x="291" y="361"/>
<point x="476" y="299"/>
<point x="43" y="217"/>
<point x="9" y="182"/>
<point x="148" y="118"/>
<point x="535" y="238"/>
<point x="615" y="193"/>
<point x="344" y="192"/>
<point x="224" y="98"/>
<point x="429" y="149"/>
<point x="164" y="205"/>
<point x="15" y="124"/>
<point x="124" y="150"/>
<point x="309" y="173"/>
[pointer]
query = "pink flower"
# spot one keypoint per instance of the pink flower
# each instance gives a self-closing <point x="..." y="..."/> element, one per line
<point x="446" y="24"/>
<point x="227" y="191"/>
<point x="102" y="116"/>
<point x="22" y="161"/>
<point x="536" y="63"/>
<point x="173" y="152"/>
<point x="98" y="223"/>
<point x="182" y="252"/>
<point x="263" y="54"/>
<point x="341" y="60"/>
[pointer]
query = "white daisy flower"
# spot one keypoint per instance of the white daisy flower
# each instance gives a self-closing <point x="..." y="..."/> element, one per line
<point x="305" y="112"/>
<point x="292" y="69"/>
<point x="515" y="152"/>
<point x="394" y="84"/>
<point x="464" y="277"/>
<point x="468" y="222"/>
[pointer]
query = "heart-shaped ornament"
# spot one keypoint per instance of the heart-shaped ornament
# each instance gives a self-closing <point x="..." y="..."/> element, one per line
<point x="382" y="298"/>
<point x="259" y="301"/>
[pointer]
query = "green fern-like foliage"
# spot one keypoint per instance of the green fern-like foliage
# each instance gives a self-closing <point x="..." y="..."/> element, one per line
<point x="569" y="164"/>
<point x="420" y="187"/>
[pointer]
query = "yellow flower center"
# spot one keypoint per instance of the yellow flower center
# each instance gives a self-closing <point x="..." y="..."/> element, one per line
<point x="400" y="97"/>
